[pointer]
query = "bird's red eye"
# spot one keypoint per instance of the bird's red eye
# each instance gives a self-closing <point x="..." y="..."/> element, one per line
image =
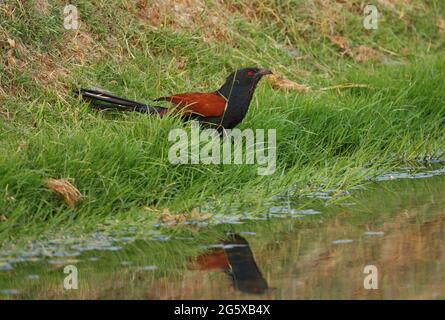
<point x="250" y="73"/>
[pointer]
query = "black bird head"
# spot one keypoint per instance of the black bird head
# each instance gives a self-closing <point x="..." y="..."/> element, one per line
<point x="246" y="77"/>
<point x="238" y="91"/>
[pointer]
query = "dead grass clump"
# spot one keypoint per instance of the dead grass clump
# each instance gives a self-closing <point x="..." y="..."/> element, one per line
<point x="173" y="219"/>
<point x="341" y="43"/>
<point x="363" y="53"/>
<point x="278" y="81"/>
<point x="64" y="189"/>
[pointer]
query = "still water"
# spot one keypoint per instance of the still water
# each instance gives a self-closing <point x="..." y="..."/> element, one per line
<point x="396" y="226"/>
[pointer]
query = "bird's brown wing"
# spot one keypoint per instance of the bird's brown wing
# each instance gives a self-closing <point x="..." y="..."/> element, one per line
<point x="215" y="259"/>
<point x="203" y="104"/>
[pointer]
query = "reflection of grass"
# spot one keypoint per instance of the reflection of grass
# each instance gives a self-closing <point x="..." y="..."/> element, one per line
<point x="119" y="162"/>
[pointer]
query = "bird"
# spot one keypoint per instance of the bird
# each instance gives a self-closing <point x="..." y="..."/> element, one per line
<point x="237" y="260"/>
<point x="224" y="108"/>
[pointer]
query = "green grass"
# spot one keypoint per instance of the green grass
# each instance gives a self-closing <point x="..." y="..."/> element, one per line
<point x="326" y="139"/>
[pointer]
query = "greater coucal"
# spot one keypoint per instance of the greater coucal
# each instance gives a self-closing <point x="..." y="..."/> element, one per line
<point x="225" y="107"/>
<point x="238" y="261"/>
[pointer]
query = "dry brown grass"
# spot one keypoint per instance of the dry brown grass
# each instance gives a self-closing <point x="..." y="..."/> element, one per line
<point x="278" y="81"/>
<point x="341" y="43"/>
<point x="363" y="53"/>
<point x="188" y="15"/>
<point x="398" y="5"/>
<point x="64" y="189"/>
<point x="42" y="6"/>
<point x="173" y="219"/>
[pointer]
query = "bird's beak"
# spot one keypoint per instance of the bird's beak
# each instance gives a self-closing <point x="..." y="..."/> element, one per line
<point x="263" y="72"/>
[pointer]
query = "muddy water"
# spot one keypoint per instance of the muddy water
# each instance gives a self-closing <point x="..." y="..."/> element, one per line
<point x="396" y="226"/>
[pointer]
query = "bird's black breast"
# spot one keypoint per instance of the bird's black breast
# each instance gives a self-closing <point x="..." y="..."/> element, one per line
<point x="237" y="106"/>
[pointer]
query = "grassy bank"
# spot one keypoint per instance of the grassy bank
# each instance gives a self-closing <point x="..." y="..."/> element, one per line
<point x="376" y="100"/>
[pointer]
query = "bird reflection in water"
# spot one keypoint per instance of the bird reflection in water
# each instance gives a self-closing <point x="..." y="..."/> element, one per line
<point x="236" y="259"/>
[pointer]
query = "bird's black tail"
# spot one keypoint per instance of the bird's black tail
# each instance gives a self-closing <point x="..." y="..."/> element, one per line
<point x="103" y="100"/>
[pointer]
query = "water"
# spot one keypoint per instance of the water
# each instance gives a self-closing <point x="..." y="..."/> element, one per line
<point x="321" y="251"/>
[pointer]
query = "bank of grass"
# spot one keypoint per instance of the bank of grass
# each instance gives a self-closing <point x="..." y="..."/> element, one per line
<point x="329" y="138"/>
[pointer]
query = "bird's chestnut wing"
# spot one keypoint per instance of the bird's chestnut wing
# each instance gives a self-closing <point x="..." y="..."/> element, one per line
<point x="204" y="104"/>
